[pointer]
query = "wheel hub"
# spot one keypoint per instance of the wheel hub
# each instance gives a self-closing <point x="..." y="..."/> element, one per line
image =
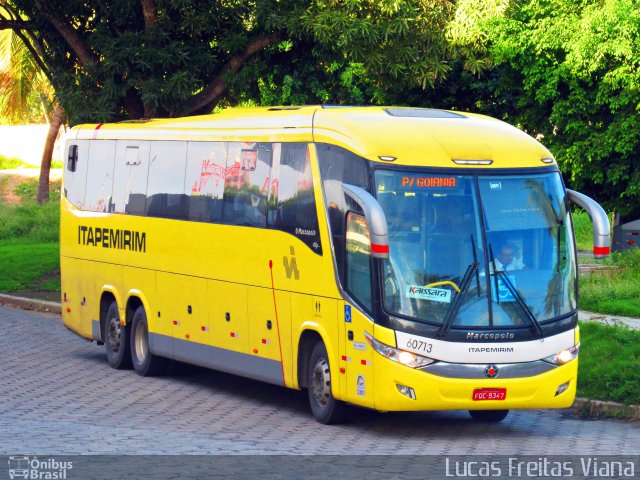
<point x="321" y="382"/>
<point x="114" y="333"/>
<point x="141" y="342"/>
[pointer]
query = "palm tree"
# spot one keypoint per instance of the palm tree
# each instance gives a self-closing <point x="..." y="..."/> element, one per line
<point x="27" y="95"/>
<point x="24" y="89"/>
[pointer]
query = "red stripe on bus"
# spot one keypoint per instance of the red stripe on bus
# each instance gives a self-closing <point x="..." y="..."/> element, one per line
<point x="95" y="132"/>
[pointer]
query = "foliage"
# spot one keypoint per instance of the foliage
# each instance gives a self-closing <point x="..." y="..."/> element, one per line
<point x="609" y="359"/>
<point x="583" y="229"/>
<point x="25" y="93"/>
<point x="616" y="292"/>
<point x="570" y="72"/>
<point x="132" y="58"/>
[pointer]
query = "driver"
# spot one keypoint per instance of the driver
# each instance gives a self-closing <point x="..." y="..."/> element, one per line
<point x="507" y="261"/>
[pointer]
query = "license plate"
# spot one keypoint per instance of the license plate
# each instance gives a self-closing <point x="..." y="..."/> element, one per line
<point x="489" y="394"/>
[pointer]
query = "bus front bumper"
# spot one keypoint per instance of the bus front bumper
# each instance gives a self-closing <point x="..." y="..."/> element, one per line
<point x="434" y="392"/>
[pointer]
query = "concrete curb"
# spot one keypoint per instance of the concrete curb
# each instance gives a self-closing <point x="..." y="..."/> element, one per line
<point x="30" y="304"/>
<point x="585" y="407"/>
<point x="633" y="323"/>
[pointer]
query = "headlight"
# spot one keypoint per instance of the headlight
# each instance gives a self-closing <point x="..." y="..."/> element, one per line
<point x="409" y="359"/>
<point x="564" y="356"/>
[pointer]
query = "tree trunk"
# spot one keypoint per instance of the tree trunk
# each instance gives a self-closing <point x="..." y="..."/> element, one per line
<point x="45" y="166"/>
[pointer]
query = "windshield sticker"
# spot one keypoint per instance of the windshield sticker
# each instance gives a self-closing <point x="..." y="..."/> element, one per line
<point x="433" y="294"/>
<point x="428" y="182"/>
<point x="504" y="294"/>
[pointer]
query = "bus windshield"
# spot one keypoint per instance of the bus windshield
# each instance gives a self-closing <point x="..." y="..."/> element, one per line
<point x="477" y="251"/>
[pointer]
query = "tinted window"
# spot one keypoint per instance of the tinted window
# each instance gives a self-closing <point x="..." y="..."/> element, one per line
<point x="204" y="181"/>
<point x="358" y="248"/>
<point x="338" y="166"/>
<point x="246" y="186"/>
<point x="130" y="178"/>
<point x="165" y="192"/>
<point x="100" y="175"/>
<point x="292" y="206"/>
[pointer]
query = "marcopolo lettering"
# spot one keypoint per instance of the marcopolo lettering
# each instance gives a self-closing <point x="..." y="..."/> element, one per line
<point x="112" y="238"/>
<point x="490" y="336"/>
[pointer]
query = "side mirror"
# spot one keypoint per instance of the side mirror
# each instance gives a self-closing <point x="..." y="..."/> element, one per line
<point x="601" y="228"/>
<point x="375" y="218"/>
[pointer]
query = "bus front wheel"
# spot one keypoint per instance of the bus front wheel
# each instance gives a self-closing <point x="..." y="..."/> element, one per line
<point x="324" y="407"/>
<point x="116" y="339"/>
<point x="489" y="416"/>
<point x="144" y="362"/>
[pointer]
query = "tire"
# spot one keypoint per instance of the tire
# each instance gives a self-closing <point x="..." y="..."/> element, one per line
<point x="116" y="339"/>
<point x="144" y="362"/>
<point x="324" y="407"/>
<point x="488" y="416"/>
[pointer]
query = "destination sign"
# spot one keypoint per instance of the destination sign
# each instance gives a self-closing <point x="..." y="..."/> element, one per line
<point x="417" y="181"/>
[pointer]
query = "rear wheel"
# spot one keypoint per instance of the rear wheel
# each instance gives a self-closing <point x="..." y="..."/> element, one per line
<point x="116" y="339"/>
<point x="489" y="416"/>
<point x="144" y="362"/>
<point x="324" y="407"/>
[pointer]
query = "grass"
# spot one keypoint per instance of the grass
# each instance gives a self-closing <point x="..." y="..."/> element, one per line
<point x="609" y="359"/>
<point x="30" y="266"/>
<point x="29" y="222"/>
<point x="29" y="245"/>
<point x="7" y="163"/>
<point x="616" y="292"/>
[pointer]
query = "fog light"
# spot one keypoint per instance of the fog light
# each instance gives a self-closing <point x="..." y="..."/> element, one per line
<point x="562" y="388"/>
<point x="407" y="391"/>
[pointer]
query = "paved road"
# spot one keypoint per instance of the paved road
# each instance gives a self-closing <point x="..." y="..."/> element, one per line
<point x="58" y="396"/>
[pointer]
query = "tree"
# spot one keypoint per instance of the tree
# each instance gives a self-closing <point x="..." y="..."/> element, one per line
<point x="116" y="59"/>
<point x="26" y="94"/>
<point x="571" y="72"/>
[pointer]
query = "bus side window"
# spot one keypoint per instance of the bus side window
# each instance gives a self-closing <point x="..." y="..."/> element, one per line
<point x="338" y="166"/>
<point x="165" y="190"/>
<point x="130" y="177"/>
<point x="204" y="181"/>
<point x="100" y="175"/>
<point x="292" y="206"/>
<point x="247" y="183"/>
<point x="358" y="255"/>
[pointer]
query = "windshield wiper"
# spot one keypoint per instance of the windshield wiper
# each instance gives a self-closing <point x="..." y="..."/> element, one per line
<point x="457" y="302"/>
<point x="520" y="301"/>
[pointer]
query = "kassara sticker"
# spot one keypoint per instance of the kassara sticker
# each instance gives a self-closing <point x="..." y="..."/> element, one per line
<point x="426" y="293"/>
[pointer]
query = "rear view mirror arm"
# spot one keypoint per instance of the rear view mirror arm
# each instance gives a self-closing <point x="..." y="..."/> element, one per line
<point x="601" y="228"/>
<point x="375" y="217"/>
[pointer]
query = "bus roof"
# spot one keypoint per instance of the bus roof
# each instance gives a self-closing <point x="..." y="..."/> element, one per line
<point x="409" y="136"/>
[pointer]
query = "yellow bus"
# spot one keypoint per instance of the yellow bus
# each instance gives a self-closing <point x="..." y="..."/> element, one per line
<point x="390" y="258"/>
